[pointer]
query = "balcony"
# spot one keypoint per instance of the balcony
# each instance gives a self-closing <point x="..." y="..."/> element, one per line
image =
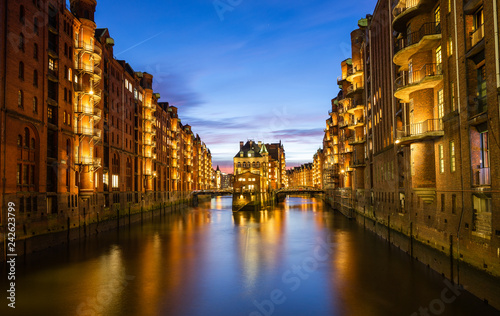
<point x="407" y="9"/>
<point x="87" y="110"/>
<point x="89" y="48"/>
<point x="340" y="79"/>
<point x="356" y="122"/>
<point x="426" y="77"/>
<point x="87" y="161"/>
<point x="475" y="43"/>
<point x="407" y="45"/>
<point x="356" y="140"/>
<point x="358" y="163"/>
<point x="421" y="131"/>
<point x="353" y="73"/>
<point x="355" y="106"/>
<point x="149" y="143"/>
<point x="343" y="123"/>
<point x="354" y="88"/>
<point x="477" y="106"/>
<point x="481" y="176"/>
<point x="149" y="118"/>
<point x="88" y="131"/>
<point x="149" y="105"/>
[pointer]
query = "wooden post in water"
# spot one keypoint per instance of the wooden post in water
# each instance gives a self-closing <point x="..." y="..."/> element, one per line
<point x="411" y="240"/>
<point x="451" y="258"/>
<point x="69" y="227"/>
<point x="389" y="228"/>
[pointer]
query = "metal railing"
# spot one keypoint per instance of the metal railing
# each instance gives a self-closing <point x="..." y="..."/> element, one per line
<point x="354" y="87"/>
<point x="87" y="161"/>
<point x="416" y="76"/>
<point x="481" y="176"/>
<point x="88" y="47"/>
<point x="404" y="5"/>
<point x="430" y="28"/>
<point x="430" y="125"/>
<point x="476" y="36"/>
<point x="88" y="131"/>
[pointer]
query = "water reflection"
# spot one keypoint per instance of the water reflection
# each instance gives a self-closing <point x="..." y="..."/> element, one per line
<point x="260" y="238"/>
<point x="211" y="261"/>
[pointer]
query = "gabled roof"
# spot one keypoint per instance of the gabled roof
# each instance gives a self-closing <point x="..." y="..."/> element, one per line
<point x="252" y="147"/>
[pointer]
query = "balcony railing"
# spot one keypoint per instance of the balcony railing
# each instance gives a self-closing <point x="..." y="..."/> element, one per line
<point x="476" y="36"/>
<point x="87" y="161"/>
<point x="416" y="76"/>
<point x="354" y="87"/>
<point x="430" y="28"/>
<point x="478" y="106"/>
<point x="88" y="47"/>
<point x="88" y="131"/>
<point x="403" y="5"/>
<point x="481" y="176"/>
<point x="356" y="140"/>
<point x="430" y="125"/>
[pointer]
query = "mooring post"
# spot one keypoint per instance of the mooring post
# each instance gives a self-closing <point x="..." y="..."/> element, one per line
<point x="68" y="226"/>
<point x="411" y="240"/>
<point x="451" y="258"/>
<point x="389" y="228"/>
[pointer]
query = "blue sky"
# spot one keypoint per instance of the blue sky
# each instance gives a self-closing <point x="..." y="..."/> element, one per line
<point x="240" y="69"/>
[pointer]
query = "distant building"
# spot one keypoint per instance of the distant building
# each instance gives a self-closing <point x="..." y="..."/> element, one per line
<point x="277" y="165"/>
<point x="301" y="176"/>
<point x="227" y="181"/>
<point x="251" y="168"/>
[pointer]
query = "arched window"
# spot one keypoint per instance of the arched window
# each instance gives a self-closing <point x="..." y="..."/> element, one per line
<point x="33" y="144"/>
<point x="35" y="78"/>
<point x="64" y="117"/>
<point x="19" y="141"/>
<point x="21" y="70"/>
<point x="258" y="164"/>
<point x="35" y="51"/>
<point x="20" y="101"/>
<point x="21" y="42"/>
<point x="68" y="148"/>
<point x="35" y="105"/>
<point x="26" y="137"/>
<point x="253" y="164"/>
<point x="21" y="14"/>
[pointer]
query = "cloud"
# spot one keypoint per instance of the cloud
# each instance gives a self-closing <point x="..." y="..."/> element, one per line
<point x="175" y="88"/>
<point x="297" y="134"/>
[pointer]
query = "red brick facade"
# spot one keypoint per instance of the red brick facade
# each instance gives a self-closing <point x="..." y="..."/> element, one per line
<point x="82" y="134"/>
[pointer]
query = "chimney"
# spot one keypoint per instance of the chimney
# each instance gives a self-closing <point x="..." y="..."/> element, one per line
<point x="241" y="145"/>
<point x="260" y="143"/>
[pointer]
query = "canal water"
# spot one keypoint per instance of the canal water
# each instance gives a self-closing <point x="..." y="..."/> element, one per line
<point x="299" y="258"/>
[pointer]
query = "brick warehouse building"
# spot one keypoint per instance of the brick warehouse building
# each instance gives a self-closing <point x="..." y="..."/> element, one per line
<point x="83" y="136"/>
<point x="417" y="148"/>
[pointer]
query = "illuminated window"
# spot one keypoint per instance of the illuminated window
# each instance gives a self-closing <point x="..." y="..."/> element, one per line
<point x="452" y="157"/>
<point x="452" y="96"/>
<point x="437" y="15"/>
<point x="115" y="181"/>
<point x="441" y="159"/>
<point x="440" y="100"/>
<point x="439" y="58"/>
